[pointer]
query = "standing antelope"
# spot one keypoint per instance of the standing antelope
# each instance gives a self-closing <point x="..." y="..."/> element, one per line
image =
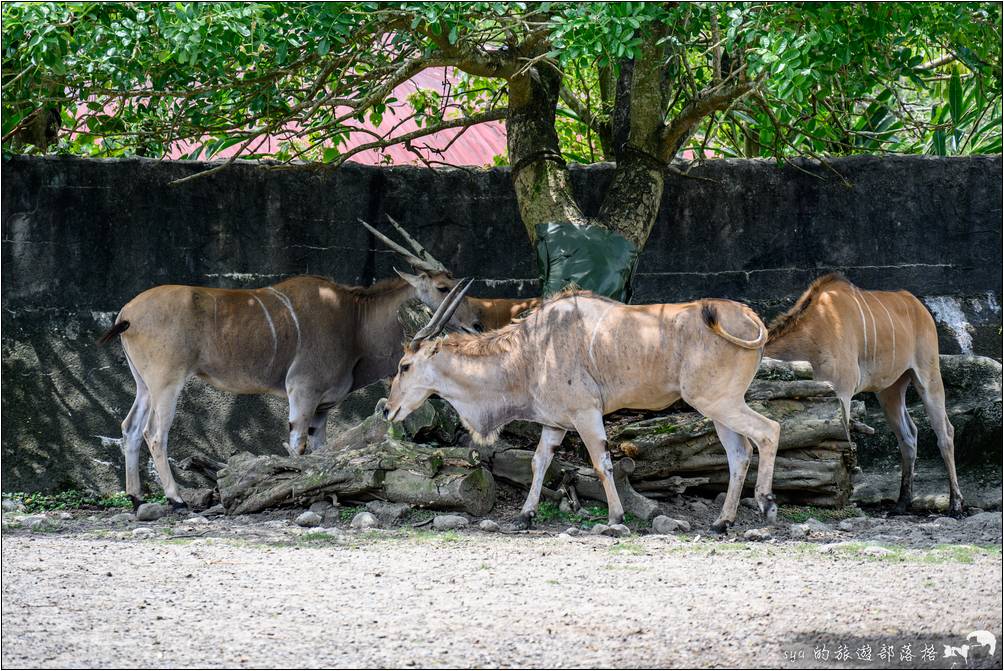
<point x="494" y="313"/>
<point x="308" y="339"/>
<point x="878" y="341"/>
<point x="580" y="357"/>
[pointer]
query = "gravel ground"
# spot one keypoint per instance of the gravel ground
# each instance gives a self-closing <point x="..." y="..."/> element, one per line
<point x="259" y="591"/>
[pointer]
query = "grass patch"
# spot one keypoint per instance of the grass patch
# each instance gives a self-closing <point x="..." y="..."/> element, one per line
<point x="588" y="517"/>
<point x="627" y="548"/>
<point x="799" y="514"/>
<point x="73" y="499"/>
<point x="346" y="513"/>
<point x="317" y="538"/>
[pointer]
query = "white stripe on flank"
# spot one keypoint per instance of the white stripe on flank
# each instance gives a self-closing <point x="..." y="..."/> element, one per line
<point x="596" y="328"/>
<point x="864" y="327"/>
<point x="864" y="299"/>
<point x="289" y="306"/>
<point x="893" y="327"/>
<point x="271" y="327"/>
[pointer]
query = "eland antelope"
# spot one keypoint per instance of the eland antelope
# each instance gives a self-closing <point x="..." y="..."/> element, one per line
<point x="307" y="338"/>
<point x="581" y="356"/>
<point x="878" y="341"/>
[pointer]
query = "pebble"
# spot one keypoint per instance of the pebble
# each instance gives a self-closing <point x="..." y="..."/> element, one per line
<point x="817" y="526"/>
<point x="983" y="520"/>
<point x="364" y="520"/>
<point x="36" y="521"/>
<point x="197" y="519"/>
<point x="720" y="500"/>
<point x="668" y="525"/>
<point x="758" y="534"/>
<point x="148" y="512"/>
<point x="845" y="525"/>
<point x="444" y="522"/>
<point x="491" y="526"/>
<point x="218" y="509"/>
<point x="388" y="513"/>
<point x="699" y="506"/>
<point x="572" y="531"/>
<point x="142" y="532"/>
<point x="122" y="518"/>
<point x="799" y="530"/>
<point x="64" y="515"/>
<point x="876" y="551"/>
<point x="320" y="507"/>
<point x="617" y="531"/>
<point x="309" y="518"/>
<point x="750" y="503"/>
<point x="947" y="521"/>
<point x="829" y="548"/>
<point x="12" y="505"/>
<point x="599" y="530"/>
<point x="565" y="506"/>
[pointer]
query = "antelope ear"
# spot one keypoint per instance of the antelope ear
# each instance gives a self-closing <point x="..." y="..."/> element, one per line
<point x="413" y="280"/>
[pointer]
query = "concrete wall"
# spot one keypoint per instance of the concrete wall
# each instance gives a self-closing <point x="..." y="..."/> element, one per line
<point x="82" y="237"/>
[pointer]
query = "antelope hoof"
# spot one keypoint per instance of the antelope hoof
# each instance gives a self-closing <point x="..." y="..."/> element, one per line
<point x="957" y="509"/>
<point x="615" y="519"/>
<point x="524" y="521"/>
<point x="136" y="502"/>
<point x="721" y="526"/>
<point x="901" y="508"/>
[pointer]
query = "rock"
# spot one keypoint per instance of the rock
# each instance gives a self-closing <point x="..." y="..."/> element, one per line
<point x="12" y="506"/>
<point x="987" y="520"/>
<point x="364" y="520"/>
<point x="388" y="513"/>
<point x="750" y="503"/>
<point x="572" y="531"/>
<point x="565" y="506"/>
<point x="320" y="507"/>
<point x="197" y="519"/>
<point x="699" y="506"/>
<point x="817" y="526"/>
<point x="142" y="532"/>
<point x="491" y="526"/>
<point x="617" y="531"/>
<point x="720" y="500"/>
<point x="799" y="530"/>
<point x="64" y="515"/>
<point x="198" y="498"/>
<point x="213" y="511"/>
<point x="148" y="512"/>
<point x="876" y="551"/>
<point x="599" y="530"/>
<point x="843" y="525"/>
<point x="830" y="548"/>
<point x="36" y="522"/>
<point x="668" y="525"/>
<point x="947" y="522"/>
<point x="444" y="522"/>
<point x="309" y="518"/>
<point x="122" y="518"/>
<point x="763" y="534"/>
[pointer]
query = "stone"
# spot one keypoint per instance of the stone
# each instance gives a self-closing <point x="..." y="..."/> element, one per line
<point x="198" y="498"/>
<point x="845" y="525"/>
<point x="699" y="506"/>
<point x="758" y="535"/>
<point x="599" y="530"/>
<point x="148" y="512"/>
<point x="387" y="512"/>
<point x="444" y="522"/>
<point x="320" y="507"/>
<point x="364" y="520"/>
<point x="720" y="500"/>
<point x="491" y="526"/>
<point x="876" y="551"/>
<point x="64" y="515"/>
<point x="197" y="519"/>
<point x="987" y="520"/>
<point x="667" y="525"/>
<point x="750" y="503"/>
<point x="617" y="531"/>
<point x="143" y="532"/>
<point x="830" y="548"/>
<point x="36" y="522"/>
<point x="122" y="518"/>
<point x="565" y="507"/>
<point x="309" y="518"/>
<point x="213" y="511"/>
<point x="799" y="530"/>
<point x="947" y="522"/>
<point x="12" y="506"/>
<point x="572" y="531"/>
<point x="817" y="526"/>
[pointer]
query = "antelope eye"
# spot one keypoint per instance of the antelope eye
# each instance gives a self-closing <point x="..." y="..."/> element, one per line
<point x="405" y="367"/>
<point x="443" y="290"/>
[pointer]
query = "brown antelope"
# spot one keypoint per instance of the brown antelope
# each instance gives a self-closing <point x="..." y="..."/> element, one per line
<point x="878" y="341"/>
<point x="308" y="339"/>
<point x="580" y="357"/>
<point x="494" y="313"/>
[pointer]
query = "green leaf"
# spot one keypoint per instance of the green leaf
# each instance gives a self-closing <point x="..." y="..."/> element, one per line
<point x="955" y="96"/>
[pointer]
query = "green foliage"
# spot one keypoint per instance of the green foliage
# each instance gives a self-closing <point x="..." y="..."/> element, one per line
<point x="73" y="500"/>
<point x="800" y="514"/>
<point x="120" y="79"/>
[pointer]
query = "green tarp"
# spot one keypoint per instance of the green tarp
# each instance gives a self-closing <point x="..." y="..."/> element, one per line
<point x="588" y="257"/>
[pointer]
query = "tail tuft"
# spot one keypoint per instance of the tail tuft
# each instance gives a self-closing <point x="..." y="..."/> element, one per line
<point x="110" y="334"/>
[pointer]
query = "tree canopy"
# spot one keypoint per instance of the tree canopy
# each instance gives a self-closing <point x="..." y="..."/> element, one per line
<point x="725" y="79"/>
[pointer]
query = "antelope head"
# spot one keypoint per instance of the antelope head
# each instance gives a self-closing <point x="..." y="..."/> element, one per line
<point x="433" y="282"/>
<point x="416" y="378"/>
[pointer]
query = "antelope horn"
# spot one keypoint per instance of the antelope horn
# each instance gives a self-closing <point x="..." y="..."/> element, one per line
<point x="445" y="311"/>
<point x="424" y="261"/>
<point x="421" y="251"/>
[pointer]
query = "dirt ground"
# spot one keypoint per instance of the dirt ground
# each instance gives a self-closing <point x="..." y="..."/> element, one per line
<point x="82" y="590"/>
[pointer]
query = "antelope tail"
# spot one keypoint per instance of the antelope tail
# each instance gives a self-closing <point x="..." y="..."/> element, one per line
<point x="112" y="332"/>
<point x="710" y="317"/>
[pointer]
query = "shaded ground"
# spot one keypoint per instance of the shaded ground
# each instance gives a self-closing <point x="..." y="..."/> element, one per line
<point x="261" y="591"/>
